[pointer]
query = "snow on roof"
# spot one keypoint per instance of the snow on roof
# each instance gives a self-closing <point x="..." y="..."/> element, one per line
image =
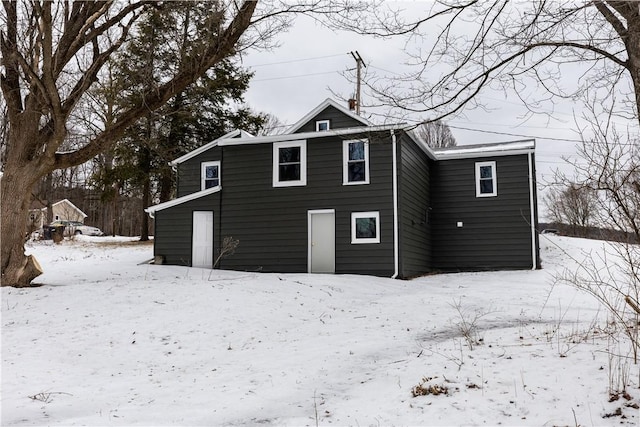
<point x="483" y="150"/>
<point x="310" y="135"/>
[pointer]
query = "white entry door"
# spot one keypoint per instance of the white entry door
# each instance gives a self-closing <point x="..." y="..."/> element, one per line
<point x="202" y="249"/>
<point x="322" y="241"/>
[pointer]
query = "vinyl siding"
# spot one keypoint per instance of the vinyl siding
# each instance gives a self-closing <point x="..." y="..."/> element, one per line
<point x="271" y="223"/>
<point x="173" y="229"/>
<point x="337" y="120"/>
<point x="414" y="200"/>
<point x="496" y="233"/>
<point x="189" y="172"/>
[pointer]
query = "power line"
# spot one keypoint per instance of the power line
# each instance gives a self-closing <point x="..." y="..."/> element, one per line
<point x="295" y="60"/>
<point x="386" y="71"/>
<point x="516" y="134"/>
<point x="619" y="144"/>
<point x="296" y="76"/>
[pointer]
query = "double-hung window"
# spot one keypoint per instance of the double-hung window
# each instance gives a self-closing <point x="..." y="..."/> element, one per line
<point x="210" y="175"/>
<point x="355" y="158"/>
<point x="289" y="163"/>
<point x="486" y="179"/>
<point x="365" y="227"/>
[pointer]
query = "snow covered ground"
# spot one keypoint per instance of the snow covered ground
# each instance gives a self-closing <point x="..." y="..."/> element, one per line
<point x="109" y="340"/>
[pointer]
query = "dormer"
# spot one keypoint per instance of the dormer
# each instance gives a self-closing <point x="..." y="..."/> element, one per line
<point x="329" y="115"/>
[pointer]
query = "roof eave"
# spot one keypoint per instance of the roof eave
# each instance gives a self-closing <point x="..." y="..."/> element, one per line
<point x="237" y="133"/>
<point x="311" y="135"/>
<point x="151" y="210"/>
<point x="490" y="150"/>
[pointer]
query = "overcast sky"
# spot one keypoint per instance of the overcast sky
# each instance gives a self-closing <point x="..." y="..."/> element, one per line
<point x="310" y="64"/>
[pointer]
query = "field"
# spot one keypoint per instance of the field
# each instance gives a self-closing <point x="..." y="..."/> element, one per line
<point x="110" y="340"/>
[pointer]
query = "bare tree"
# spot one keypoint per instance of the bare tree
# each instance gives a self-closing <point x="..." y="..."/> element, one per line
<point x="523" y="47"/>
<point x="272" y="126"/>
<point x="436" y="134"/>
<point x="573" y="204"/>
<point x="609" y="165"/>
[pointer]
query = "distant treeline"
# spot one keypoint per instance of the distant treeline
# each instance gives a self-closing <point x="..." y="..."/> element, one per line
<point x="595" y="233"/>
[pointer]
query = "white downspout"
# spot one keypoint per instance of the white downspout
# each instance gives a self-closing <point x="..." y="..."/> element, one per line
<point x="532" y="219"/>
<point x="395" y="206"/>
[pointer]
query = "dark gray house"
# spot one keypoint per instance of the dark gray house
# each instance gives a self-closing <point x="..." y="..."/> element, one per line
<point x="336" y="194"/>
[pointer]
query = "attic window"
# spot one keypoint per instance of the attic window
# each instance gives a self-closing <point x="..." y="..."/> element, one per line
<point x="486" y="179"/>
<point x="322" y="125"/>
<point x="289" y="163"/>
<point x="210" y="176"/>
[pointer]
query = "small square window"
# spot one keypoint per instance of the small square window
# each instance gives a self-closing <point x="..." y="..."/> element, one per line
<point x="486" y="179"/>
<point x="322" y="125"/>
<point x="289" y="163"/>
<point x="365" y="227"/>
<point x="355" y="158"/>
<point x="210" y="175"/>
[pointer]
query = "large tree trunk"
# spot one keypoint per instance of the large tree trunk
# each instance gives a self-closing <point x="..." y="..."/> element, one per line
<point x="16" y="186"/>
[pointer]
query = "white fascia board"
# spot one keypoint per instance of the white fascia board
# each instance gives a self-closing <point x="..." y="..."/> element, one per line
<point x="327" y="102"/>
<point x="421" y="143"/>
<point x="310" y="135"/>
<point x="180" y="200"/>
<point x="488" y="150"/>
<point x="238" y="133"/>
<point x="194" y="153"/>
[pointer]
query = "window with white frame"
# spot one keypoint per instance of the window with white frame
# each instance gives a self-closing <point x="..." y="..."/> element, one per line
<point x="210" y="175"/>
<point x="486" y="179"/>
<point x="355" y="158"/>
<point x="322" y="125"/>
<point x="365" y="227"/>
<point x="289" y="163"/>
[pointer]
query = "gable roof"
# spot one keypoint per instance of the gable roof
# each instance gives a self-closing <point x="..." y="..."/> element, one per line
<point x="238" y="133"/>
<point x="241" y="137"/>
<point x="326" y="103"/>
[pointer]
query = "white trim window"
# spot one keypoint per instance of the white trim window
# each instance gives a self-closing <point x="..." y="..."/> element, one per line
<point x="210" y="175"/>
<point x="323" y="125"/>
<point x="365" y="227"/>
<point x="355" y="162"/>
<point x="289" y="163"/>
<point x="486" y="179"/>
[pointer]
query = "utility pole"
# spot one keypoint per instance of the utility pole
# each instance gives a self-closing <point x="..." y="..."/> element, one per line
<point x="359" y="64"/>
